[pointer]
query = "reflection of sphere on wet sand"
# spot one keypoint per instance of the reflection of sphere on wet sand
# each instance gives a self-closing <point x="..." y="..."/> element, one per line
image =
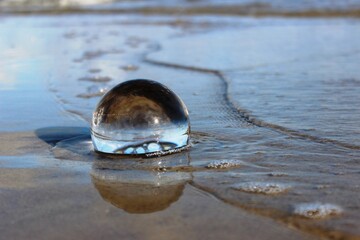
<point x="139" y="191"/>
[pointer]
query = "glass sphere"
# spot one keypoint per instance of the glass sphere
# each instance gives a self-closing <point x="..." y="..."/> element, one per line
<point x="140" y="117"/>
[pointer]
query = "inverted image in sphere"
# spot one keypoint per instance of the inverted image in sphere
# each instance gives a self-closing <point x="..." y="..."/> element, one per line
<point x="140" y="117"/>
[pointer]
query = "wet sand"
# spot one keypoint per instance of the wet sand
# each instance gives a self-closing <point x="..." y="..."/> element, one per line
<point x="47" y="198"/>
<point x="273" y="110"/>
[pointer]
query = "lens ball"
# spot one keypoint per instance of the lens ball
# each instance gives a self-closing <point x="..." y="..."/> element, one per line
<point x="140" y="117"/>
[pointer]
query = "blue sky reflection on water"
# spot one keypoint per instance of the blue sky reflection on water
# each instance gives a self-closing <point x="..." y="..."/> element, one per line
<point x="26" y="69"/>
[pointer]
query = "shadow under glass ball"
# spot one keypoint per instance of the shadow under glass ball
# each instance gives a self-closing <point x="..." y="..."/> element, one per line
<point x="140" y="117"/>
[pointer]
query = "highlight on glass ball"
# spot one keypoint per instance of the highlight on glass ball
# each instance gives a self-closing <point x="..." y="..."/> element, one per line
<point x="140" y="117"/>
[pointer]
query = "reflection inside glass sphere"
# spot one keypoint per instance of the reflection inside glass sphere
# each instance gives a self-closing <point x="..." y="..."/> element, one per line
<point x="140" y="117"/>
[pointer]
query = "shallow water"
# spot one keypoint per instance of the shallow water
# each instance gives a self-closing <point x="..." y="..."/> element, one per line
<point x="274" y="122"/>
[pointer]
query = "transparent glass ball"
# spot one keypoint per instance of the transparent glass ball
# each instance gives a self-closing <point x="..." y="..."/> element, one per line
<point x="140" y="117"/>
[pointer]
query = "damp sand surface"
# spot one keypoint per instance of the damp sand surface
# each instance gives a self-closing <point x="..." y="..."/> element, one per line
<point x="274" y="112"/>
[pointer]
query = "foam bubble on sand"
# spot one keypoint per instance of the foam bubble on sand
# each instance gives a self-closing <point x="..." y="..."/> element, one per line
<point x="222" y="164"/>
<point x="261" y="187"/>
<point x="317" y="210"/>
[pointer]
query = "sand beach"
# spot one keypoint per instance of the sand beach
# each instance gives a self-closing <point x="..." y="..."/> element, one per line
<point x="273" y="93"/>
